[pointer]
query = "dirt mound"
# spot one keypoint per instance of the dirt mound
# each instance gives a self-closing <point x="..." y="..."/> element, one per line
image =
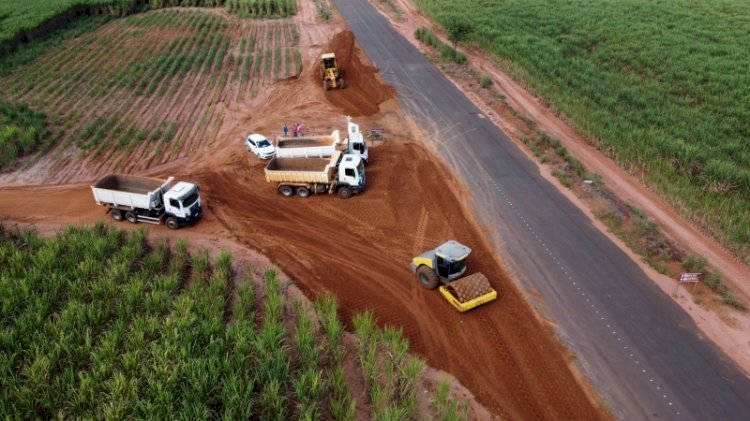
<point x="364" y="90"/>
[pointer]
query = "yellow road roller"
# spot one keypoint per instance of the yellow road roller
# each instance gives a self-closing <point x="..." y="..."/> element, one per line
<point x="447" y="265"/>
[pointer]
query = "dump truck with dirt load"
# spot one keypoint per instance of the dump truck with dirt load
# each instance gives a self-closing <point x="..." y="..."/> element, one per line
<point x="342" y="174"/>
<point x="308" y="146"/>
<point x="150" y="200"/>
<point x="325" y="145"/>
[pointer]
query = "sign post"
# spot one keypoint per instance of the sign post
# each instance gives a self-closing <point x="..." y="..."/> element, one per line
<point x="688" y="278"/>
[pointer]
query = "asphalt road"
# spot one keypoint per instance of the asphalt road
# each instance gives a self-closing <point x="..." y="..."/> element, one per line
<point x="638" y="348"/>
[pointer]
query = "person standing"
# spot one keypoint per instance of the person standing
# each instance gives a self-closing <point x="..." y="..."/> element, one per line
<point x="286" y="130"/>
<point x="297" y="129"/>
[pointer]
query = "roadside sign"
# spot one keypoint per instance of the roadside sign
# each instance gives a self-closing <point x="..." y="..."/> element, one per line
<point x="688" y="278"/>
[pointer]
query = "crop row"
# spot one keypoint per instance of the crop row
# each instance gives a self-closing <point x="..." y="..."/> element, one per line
<point x="661" y="87"/>
<point x="21" y="131"/>
<point x="32" y="19"/>
<point x="262" y="8"/>
<point x="100" y="323"/>
<point x="130" y="88"/>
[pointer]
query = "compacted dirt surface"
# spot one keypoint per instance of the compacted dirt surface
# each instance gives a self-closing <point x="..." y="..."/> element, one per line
<point x="358" y="249"/>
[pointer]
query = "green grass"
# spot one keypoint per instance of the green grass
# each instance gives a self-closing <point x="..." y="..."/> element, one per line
<point x="446" y="51"/>
<point x="662" y="87"/>
<point x="22" y="130"/>
<point x="24" y="16"/>
<point x="262" y="8"/>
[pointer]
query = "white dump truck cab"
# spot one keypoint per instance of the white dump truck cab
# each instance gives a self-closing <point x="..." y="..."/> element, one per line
<point x="183" y="202"/>
<point x="352" y="172"/>
<point x="356" y="142"/>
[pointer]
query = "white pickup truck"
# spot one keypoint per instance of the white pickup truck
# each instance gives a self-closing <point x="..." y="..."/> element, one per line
<point x="150" y="200"/>
<point x="260" y="146"/>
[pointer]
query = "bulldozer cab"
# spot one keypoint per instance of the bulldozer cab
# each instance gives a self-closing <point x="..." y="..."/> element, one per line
<point x="329" y="61"/>
<point x="450" y="260"/>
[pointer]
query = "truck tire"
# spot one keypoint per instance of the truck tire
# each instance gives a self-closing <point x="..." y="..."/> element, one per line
<point x="286" y="191"/>
<point x="116" y="214"/>
<point x="172" y="223"/>
<point x="344" y="192"/>
<point x="326" y="84"/>
<point x="303" y="191"/>
<point x="341" y="83"/>
<point x="131" y="217"/>
<point x="427" y="277"/>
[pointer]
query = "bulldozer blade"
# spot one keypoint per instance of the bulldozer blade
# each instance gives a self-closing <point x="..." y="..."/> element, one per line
<point x="469" y="292"/>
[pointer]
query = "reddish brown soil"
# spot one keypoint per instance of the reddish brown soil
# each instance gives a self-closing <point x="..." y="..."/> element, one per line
<point x="359" y="249"/>
<point x="362" y="93"/>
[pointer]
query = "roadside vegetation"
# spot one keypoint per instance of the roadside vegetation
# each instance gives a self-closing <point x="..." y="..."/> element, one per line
<point x="661" y="87"/>
<point x="426" y="36"/>
<point x="100" y="323"/>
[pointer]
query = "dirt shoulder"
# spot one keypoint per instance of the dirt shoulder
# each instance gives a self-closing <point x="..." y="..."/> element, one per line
<point x="726" y="327"/>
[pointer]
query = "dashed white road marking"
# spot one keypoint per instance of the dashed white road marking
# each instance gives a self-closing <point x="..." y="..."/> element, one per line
<point x="573" y="283"/>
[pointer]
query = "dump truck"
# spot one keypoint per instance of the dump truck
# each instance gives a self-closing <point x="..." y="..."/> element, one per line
<point x="343" y="174"/>
<point x="150" y="200"/>
<point x="308" y="146"/>
<point x="324" y="146"/>
<point x="446" y="265"/>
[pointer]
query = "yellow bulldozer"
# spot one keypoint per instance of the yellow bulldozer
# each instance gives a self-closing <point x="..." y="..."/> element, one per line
<point x="447" y="265"/>
<point x="330" y="73"/>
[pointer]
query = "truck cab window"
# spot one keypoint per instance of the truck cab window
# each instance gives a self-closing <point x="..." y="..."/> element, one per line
<point x="174" y="203"/>
<point x="349" y="172"/>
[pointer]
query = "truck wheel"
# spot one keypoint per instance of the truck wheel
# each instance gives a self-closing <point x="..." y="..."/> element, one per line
<point x="131" y="217"/>
<point x="345" y="192"/>
<point x="326" y="85"/>
<point x="116" y="214"/>
<point x="427" y="277"/>
<point x="341" y="83"/>
<point x="172" y="223"/>
<point x="286" y="191"/>
<point x="303" y="191"/>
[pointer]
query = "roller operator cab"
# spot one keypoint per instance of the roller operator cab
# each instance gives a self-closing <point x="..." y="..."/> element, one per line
<point x="448" y="260"/>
